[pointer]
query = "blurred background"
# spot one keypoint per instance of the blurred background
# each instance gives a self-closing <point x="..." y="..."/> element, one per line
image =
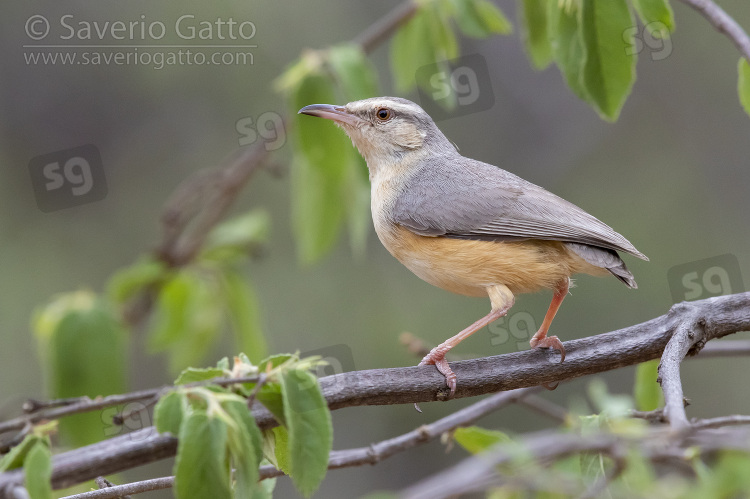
<point x="671" y="175"/>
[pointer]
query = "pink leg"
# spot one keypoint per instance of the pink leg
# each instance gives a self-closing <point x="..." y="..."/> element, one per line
<point x="437" y="354"/>
<point x="540" y="339"/>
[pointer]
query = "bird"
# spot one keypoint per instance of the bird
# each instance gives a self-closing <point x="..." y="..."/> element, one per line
<point x="467" y="226"/>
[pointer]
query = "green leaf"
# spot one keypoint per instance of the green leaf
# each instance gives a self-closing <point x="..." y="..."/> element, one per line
<point x="308" y="422"/>
<point x="647" y="393"/>
<point x="270" y="396"/>
<point x="534" y="22"/>
<point x="731" y="477"/>
<point x="15" y="457"/>
<point x="475" y="439"/>
<point x="656" y="15"/>
<point x="38" y="471"/>
<point x="244" y="314"/>
<point x="169" y="412"/>
<point x="277" y="449"/>
<point x="608" y="72"/>
<point x="246" y="447"/>
<point x="353" y="71"/>
<point x="493" y="18"/>
<point x="411" y="49"/>
<point x="443" y="39"/>
<point x="195" y="374"/>
<point x="201" y="467"/>
<point x="237" y="236"/>
<point x="274" y="360"/>
<point x="127" y="282"/>
<point x="566" y="40"/>
<point x="611" y="406"/>
<point x="480" y="18"/>
<point x="188" y="317"/>
<point x="87" y="341"/>
<point x="743" y="84"/>
<point x="320" y="161"/>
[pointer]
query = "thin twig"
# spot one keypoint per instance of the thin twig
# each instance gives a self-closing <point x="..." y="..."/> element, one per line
<point x="545" y="407"/>
<point x="116" y="491"/>
<point x="382" y="29"/>
<point x="86" y="404"/>
<point x="103" y="483"/>
<point x="723" y="23"/>
<point x="725" y="348"/>
<point x="721" y="422"/>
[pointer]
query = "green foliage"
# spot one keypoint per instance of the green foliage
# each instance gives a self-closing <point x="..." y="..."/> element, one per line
<point x="476" y="439"/>
<point x="308" y="422"/>
<point x="34" y="454"/>
<point x="647" y="393"/>
<point x="170" y="412"/>
<point x="38" y="471"/>
<point x="187" y="317"/>
<point x="566" y="40"/>
<point x="655" y="11"/>
<point x="201" y="467"/>
<point x="608" y="71"/>
<point x="743" y="84"/>
<point x="194" y="302"/>
<point x="85" y="347"/>
<point x="218" y="434"/>
<point x="534" y="22"/>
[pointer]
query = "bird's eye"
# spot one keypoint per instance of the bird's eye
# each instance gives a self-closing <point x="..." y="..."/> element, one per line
<point x="384" y="114"/>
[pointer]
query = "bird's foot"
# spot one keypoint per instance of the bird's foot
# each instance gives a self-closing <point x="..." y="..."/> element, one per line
<point x="436" y="357"/>
<point x="549" y="342"/>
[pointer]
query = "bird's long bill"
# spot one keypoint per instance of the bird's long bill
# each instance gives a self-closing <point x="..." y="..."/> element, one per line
<point x="328" y="111"/>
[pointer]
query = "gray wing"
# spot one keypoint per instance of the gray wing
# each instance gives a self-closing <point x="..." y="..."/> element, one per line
<point x="459" y="197"/>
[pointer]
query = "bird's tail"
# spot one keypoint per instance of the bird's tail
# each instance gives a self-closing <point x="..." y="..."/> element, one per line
<point x="605" y="258"/>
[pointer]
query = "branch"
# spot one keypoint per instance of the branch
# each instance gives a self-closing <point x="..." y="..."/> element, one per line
<point x="381" y="30"/>
<point x="372" y="454"/>
<point x="58" y="408"/>
<point x="116" y="491"/>
<point x="724" y="23"/>
<point x="722" y="315"/>
<point x="692" y="329"/>
<point x="474" y="473"/>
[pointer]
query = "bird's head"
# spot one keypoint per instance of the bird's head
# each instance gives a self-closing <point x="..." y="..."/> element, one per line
<point x="386" y="130"/>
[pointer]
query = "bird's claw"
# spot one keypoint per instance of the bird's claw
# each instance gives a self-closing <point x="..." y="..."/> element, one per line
<point x="437" y="358"/>
<point x="550" y="342"/>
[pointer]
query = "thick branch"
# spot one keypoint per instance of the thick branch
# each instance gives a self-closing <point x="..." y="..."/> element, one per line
<point x="722" y="315"/>
<point x="723" y="23"/>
